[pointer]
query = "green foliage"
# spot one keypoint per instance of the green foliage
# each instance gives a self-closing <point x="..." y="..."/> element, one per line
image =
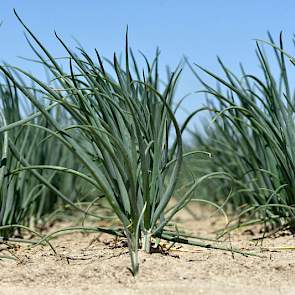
<point x="251" y="137"/>
<point x="22" y="198"/>
<point x="113" y="126"/>
<point x="122" y="130"/>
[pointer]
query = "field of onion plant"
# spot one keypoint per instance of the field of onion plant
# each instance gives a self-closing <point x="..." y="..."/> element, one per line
<point x="100" y="138"/>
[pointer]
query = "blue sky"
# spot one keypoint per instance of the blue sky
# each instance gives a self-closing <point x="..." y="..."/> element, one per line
<point x="201" y="30"/>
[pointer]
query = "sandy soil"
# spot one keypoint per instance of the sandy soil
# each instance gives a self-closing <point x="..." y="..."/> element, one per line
<point x="88" y="264"/>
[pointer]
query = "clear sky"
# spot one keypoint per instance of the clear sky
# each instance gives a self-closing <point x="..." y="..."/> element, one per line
<point x="198" y="29"/>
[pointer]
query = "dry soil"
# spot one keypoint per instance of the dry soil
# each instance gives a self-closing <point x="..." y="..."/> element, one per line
<point x="93" y="264"/>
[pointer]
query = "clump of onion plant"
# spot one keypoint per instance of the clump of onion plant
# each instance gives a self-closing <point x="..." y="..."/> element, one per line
<point x="251" y="137"/>
<point x="122" y="130"/>
<point x="24" y="199"/>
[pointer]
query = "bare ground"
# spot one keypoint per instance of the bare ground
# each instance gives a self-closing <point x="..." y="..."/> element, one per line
<point x="89" y="264"/>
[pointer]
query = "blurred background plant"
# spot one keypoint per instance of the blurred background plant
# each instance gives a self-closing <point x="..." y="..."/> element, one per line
<point x="250" y="133"/>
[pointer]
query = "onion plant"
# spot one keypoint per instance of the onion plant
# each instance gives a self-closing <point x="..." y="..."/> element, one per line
<point x="251" y="136"/>
<point x="23" y="198"/>
<point x="123" y="132"/>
